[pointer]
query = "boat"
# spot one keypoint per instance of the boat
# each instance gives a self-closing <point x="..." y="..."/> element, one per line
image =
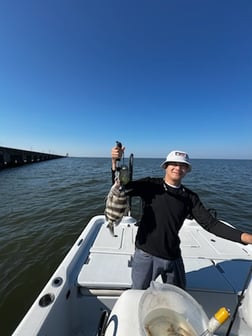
<point x="90" y="292"/>
<point x="92" y="285"/>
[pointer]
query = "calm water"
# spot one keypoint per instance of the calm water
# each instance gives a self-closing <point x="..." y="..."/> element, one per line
<point x="45" y="206"/>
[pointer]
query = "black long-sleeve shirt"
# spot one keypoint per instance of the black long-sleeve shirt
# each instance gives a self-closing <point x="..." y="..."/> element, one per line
<point x="164" y="210"/>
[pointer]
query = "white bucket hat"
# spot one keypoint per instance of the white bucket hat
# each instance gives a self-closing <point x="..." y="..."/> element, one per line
<point x="177" y="156"/>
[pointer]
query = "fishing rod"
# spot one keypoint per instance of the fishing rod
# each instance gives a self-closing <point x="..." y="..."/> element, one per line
<point x="131" y="160"/>
<point x="240" y="298"/>
<point x="125" y="172"/>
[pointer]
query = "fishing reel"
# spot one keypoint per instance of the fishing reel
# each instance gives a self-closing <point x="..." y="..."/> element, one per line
<point x="125" y="172"/>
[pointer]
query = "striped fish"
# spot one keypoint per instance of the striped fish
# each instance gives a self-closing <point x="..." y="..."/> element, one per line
<point x="116" y="207"/>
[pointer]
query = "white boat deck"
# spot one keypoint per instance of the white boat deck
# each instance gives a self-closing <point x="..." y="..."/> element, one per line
<point x="109" y="262"/>
<point x="213" y="261"/>
<point x="97" y="270"/>
<point x="212" y="264"/>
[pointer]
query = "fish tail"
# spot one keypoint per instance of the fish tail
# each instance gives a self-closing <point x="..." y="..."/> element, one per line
<point x="111" y="228"/>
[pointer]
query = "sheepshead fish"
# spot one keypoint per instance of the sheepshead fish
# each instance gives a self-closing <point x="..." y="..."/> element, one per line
<point x="116" y="206"/>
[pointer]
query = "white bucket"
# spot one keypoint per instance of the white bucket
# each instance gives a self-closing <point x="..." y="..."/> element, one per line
<point x="167" y="310"/>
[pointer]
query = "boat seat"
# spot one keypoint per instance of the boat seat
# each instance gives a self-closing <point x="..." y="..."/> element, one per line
<point x="106" y="271"/>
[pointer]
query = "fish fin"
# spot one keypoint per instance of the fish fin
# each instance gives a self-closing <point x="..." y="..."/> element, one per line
<point x="111" y="228"/>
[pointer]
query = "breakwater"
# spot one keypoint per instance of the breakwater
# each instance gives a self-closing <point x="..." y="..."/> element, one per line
<point x="11" y="157"/>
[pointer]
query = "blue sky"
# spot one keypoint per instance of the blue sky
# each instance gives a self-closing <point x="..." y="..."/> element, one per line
<point x="158" y="75"/>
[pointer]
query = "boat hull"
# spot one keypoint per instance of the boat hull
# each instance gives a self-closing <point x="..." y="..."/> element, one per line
<point x="97" y="270"/>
